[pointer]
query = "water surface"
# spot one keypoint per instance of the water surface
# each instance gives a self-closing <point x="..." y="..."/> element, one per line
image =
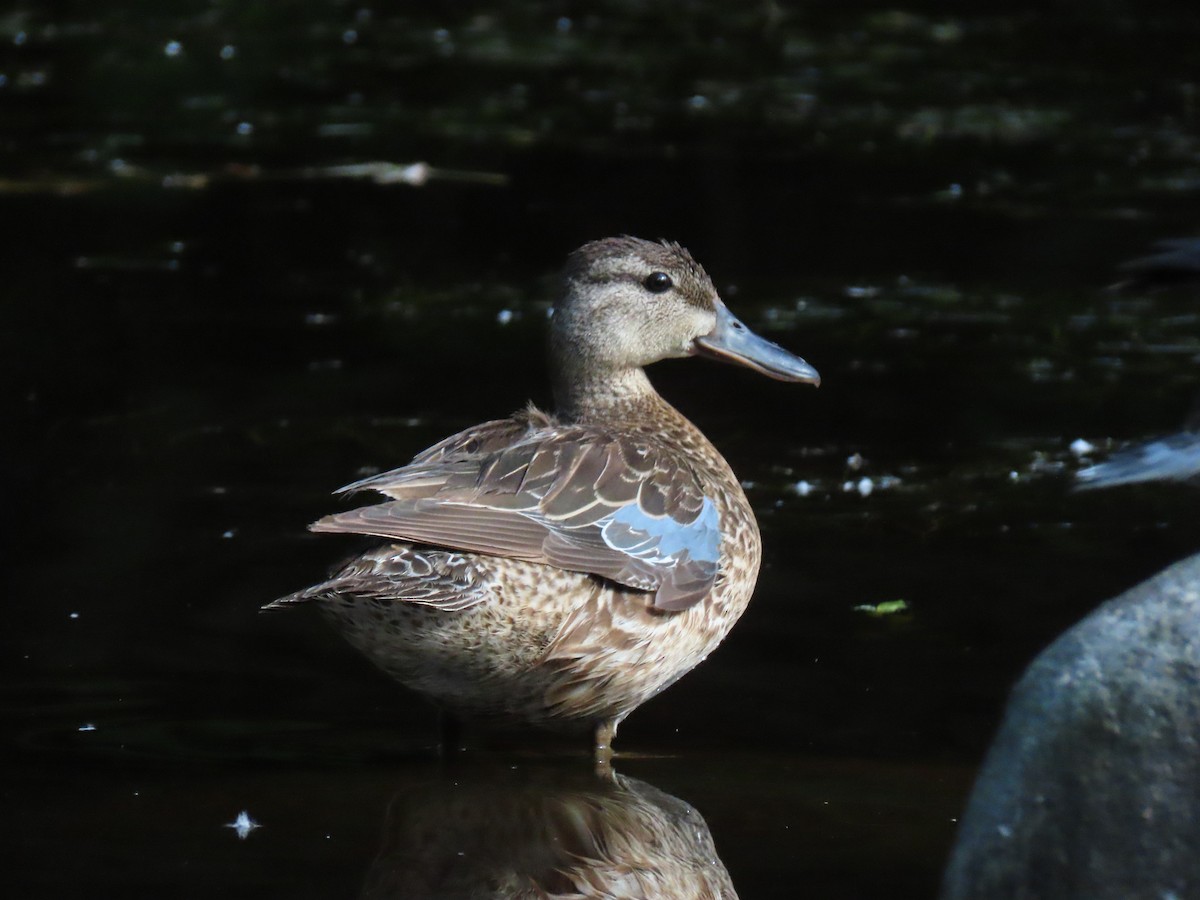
<point x="227" y="292"/>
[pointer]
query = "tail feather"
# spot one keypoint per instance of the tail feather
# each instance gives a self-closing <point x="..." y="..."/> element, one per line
<point x="304" y="596"/>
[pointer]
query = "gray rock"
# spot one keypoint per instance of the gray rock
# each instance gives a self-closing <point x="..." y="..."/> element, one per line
<point x="1092" y="786"/>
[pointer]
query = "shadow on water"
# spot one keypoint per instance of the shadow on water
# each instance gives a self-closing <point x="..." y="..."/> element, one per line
<point x="261" y="250"/>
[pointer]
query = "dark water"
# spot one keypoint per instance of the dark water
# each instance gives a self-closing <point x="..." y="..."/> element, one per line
<point x="211" y="318"/>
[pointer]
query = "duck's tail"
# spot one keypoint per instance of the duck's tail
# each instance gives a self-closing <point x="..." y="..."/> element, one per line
<point x="311" y="593"/>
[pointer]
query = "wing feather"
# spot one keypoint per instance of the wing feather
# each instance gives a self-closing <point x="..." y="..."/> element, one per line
<point x="479" y="530"/>
<point x="622" y="507"/>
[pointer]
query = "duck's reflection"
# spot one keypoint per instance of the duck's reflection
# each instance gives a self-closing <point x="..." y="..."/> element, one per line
<point x="543" y="833"/>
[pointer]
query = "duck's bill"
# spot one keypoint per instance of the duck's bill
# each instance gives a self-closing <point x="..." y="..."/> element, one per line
<point x="734" y="342"/>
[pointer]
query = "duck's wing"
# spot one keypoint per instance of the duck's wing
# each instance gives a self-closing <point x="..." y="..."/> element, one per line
<point x="621" y="506"/>
<point x="1175" y="457"/>
<point x="476" y="441"/>
<point x="1173" y="262"/>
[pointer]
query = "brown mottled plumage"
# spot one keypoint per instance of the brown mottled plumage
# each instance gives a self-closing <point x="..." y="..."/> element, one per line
<point x="560" y="571"/>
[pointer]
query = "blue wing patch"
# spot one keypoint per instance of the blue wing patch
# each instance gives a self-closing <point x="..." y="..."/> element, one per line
<point x="662" y="540"/>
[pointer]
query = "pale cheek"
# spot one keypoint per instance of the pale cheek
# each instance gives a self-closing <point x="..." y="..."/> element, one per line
<point x="673" y="345"/>
<point x="704" y="323"/>
<point x="699" y="324"/>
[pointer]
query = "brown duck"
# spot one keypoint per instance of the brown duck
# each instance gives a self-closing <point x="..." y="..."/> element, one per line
<point x="561" y="570"/>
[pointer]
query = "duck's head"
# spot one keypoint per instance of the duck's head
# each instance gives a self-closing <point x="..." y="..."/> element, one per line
<point x="626" y="303"/>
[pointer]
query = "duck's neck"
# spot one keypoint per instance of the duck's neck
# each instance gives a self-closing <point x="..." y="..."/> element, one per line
<point x="619" y="396"/>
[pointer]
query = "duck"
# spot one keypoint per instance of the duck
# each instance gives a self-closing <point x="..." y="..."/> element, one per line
<point x="557" y="570"/>
<point x="1175" y="457"/>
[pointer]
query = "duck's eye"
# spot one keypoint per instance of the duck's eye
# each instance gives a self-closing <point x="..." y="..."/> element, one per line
<point x="657" y="282"/>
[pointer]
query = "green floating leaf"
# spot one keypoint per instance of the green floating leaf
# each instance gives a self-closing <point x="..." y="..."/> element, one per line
<point x="887" y="608"/>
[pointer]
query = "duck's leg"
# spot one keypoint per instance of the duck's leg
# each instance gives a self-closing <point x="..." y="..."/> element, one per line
<point x="450" y="733"/>
<point x="606" y="730"/>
